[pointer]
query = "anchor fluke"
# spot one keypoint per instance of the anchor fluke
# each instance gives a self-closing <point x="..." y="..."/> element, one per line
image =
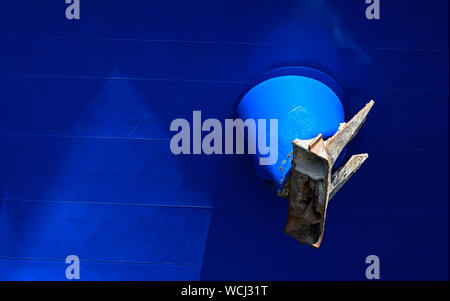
<point x="312" y="183"/>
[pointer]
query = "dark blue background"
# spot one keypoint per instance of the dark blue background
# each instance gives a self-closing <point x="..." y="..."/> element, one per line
<point x="85" y="164"/>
